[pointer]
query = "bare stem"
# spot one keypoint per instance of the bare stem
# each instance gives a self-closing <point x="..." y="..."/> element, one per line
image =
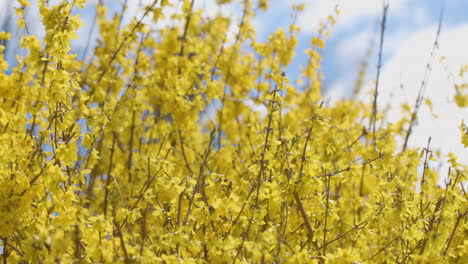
<point x="201" y="177"/>
<point x="422" y="88"/>
<point x="327" y="207"/>
<point x="109" y="170"/>
<point x="184" y="36"/>
<point x="449" y="240"/>
<point x="379" y="66"/>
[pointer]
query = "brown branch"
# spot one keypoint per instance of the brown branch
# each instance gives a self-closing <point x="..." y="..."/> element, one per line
<point x="422" y="88"/>
<point x="184" y="36"/>
<point x="6" y="243"/>
<point x="327" y="206"/>
<point x="187" y="164"/>
<point x="438" y="206"/>
<point x="5" y="252"/>
<point x="143" y="230"/>
<point x="179" y="207"/>
<point x="130" y="148"/>
<point x="114" y="55"/>
<point x="90" y="33"/>
<point x="260" y="173"/>
<point x="382" y="249"/>
<point x="201" y="177"/>
<point x="122" y="242"/>
<point x="423" y="177"/>
<point x="449" y="240"/>
<point x="228" y="75"/>
<point x="109" y="175"/>
<point x="333" y="173"/>
<point x="145" y="187"/>
<point x="358" y="226"/>
<point x="379" y="66"/>
<point x="213" y="69"/>
<point x="77" y="244"/>
<point x="297" y="198"/>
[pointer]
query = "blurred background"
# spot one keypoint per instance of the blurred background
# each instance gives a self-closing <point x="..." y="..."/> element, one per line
<point x="353" y="46"/>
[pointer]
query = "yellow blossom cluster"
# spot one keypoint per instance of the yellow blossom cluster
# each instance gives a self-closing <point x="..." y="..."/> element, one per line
<point x="120" y="158"/>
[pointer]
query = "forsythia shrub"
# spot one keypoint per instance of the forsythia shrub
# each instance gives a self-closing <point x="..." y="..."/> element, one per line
<point x="116" y="158"/>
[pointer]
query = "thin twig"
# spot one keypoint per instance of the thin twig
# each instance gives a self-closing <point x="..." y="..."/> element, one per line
<point x="382" y="249"/>
<point x="6" y="243"/>
<point x="114" y="55"/>
<point x="260" y="173"/>
<point x="300" y="206"/>
<point x="184" y="36"/>
<point x="358" y="226"/>
<point x="122" y="242"/>
<point x="379" y="66"/>
<point x="422" y="88"/>
<point x="452" y="234"/>
<point x="201" y="177"/>
<point x="90" y="33"/>
<point x="148" y="183"/>
<point x="228" y="75"/>
<point x="327" y="207"/>
<point x="438" y="206"/>
<point x="109" y="169"/>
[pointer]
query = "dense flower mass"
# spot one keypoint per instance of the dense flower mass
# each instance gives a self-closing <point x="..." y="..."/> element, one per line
<point x="149" y="151"/>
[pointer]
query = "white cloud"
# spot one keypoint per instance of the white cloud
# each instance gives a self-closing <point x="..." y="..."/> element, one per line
<point x="351" y="11"/>
<point x="353" y="48"/>
<point x="338" y="91"/>
<point x="394" y="40"/>
<point x="421" y="16"/>
<point x="3" y="9"/>
<point x="401" y="79"/>
<point x="259" y="108"/>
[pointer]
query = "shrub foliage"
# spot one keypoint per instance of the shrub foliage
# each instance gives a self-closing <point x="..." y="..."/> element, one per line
<point x="150" y="151"/>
